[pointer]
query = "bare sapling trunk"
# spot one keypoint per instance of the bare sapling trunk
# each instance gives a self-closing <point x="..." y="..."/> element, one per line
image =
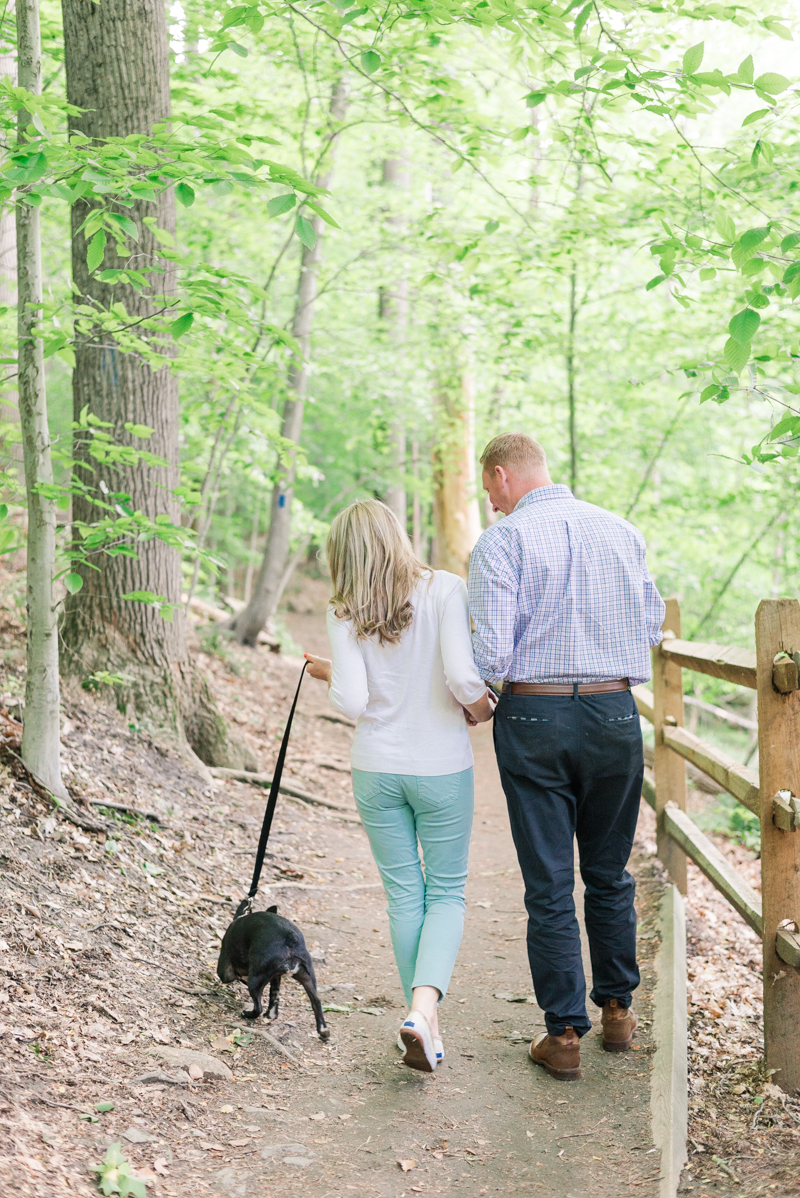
<point x="272" y="577"/>
<point x="456" y="512"/>
<point x="9" y="412"/>
<point x="572" y="398"/>
<point x="41" y="736"/>
<point x="117" y="73"/>
<point x="393" y="311"/>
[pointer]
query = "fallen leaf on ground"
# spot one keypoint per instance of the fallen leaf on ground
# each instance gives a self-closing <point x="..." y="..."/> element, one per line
<point x="161" y="1165"/>
<point x="406" y="1166"/>
<point x="319" y="1115"/>
<point x="238" y="1143"/>
<point x="195" y="1072"/>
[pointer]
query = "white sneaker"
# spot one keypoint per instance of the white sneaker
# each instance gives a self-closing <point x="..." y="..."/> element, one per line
<point x="437" y="1044"/>
<point x="419" y="1049"/>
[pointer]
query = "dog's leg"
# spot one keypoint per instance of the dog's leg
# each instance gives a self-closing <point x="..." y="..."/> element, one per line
<point x="256" y="986"/>
<point x="305" y="976"/>
<point x="274" y="995"/>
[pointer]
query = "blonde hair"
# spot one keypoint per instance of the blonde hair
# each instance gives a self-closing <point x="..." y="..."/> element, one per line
<point x="514" y="451"/>
<point x="373" y="569"/>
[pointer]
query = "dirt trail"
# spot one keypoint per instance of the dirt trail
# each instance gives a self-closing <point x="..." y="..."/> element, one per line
<point x="97" y="1005"/>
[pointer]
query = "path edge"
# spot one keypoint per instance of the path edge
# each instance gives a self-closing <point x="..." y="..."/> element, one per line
<point x="669" y="1082"/>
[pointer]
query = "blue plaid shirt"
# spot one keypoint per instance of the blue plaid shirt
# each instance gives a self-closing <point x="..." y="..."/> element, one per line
<point x="560" y="592"/>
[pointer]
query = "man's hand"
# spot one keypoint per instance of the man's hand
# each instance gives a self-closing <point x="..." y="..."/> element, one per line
<point x="319" y="667"/>
<point x="473" y="723"/>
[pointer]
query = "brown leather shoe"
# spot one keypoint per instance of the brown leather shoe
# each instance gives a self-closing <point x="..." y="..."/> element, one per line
<point x="559" y="1055"/>
<point x="619" y="1025"/>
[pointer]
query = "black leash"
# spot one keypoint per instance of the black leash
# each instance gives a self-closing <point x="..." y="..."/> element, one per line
<point x="247" y="904"/>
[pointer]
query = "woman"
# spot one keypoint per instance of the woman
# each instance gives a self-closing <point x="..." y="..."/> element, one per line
<point x="402" y="667"/>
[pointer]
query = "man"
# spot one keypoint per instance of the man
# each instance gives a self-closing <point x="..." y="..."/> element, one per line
<point x="565" y="613"/>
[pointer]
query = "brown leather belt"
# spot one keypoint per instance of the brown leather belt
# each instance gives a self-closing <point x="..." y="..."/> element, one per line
<point x="565" y="688"/>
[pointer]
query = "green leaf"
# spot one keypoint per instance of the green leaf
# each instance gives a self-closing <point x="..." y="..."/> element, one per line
<point x="775" y="27"/>
<point x="125" y="224"/>
<point x="184" y="194"/>
<point x="791" y="272"/>
<point x="491" y="226"/>
<point x="755" y="116"/>
<point x="692" y="58"/>
<point x="181" y="325"/>
<point x="145" y="597"/>
<point x="708" y="272"/>
<point x="772" y="83"/>
<point x="745" y="71"/>
<point x="736" y="355"/>
<point x="305" y="231"/>
<point x="353" y="15"/>
<point x="654" y="282"/>
<point x="725" y="226"/>
<point x="96" y="251"/>
<point x="3" y="510"/>
<point x="789" y="424"/>
<point x="237" y="49"/>
<point x="708" y="392"/>
<point x="790" y="242"/>
<point x="533" y="99"/>
<point x="320" y="211"/>
<point x="281" y="204"/>
<point x="140" y="430"/>
<point x="370" y="61"/>
<point x="234" y="16"/>
<point x="744" y="326"/>
<point x="73" y="583"/>
<point x="132" y="1187"/>
<point x="753" y="237"/>
<point x="102" y="1107"/>
<point x="582" y="18"/>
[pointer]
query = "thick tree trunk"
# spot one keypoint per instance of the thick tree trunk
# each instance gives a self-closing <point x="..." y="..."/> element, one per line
<point x="117" y="70"/>
<point x="41" y="736"/>
<point x="455" y="504"/>
<point x="272" y="575"/>
<point x="393" y="311"/>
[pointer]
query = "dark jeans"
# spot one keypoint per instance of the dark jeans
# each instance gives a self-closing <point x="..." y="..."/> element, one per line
<point x="572" y="765"/>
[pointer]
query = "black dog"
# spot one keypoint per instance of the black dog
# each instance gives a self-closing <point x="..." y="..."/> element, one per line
<point x="262" y="947"/>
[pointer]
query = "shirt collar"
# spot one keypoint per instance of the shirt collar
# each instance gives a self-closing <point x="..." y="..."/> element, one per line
<point x="541" y="494"/>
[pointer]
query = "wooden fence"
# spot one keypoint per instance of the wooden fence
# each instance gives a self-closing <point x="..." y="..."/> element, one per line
<point x="773" y="794"/>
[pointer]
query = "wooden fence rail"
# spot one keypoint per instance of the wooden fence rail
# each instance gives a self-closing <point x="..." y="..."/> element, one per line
<point x="773" y="793"/>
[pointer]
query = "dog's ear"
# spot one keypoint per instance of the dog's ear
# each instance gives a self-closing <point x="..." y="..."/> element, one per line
<point x="272" y="909"/>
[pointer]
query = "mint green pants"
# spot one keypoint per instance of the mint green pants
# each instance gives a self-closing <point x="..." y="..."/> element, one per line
<point x="426" y="910"/>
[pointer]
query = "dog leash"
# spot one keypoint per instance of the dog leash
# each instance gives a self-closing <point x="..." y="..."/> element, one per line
<point x="247" y="906"/>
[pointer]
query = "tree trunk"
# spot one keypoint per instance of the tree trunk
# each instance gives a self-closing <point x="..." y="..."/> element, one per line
<point x="571" y="396"/>
<point x="455" y="504"/>
<point x="117" y="72"/>
<point x="9" y="411"/>
<point x="272" y="578"/>
<point x="41" y="736"/>
<point x="393" y="311"/>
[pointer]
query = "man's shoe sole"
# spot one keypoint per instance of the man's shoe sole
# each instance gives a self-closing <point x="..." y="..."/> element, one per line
<point x="561" y="1075"/>
<point x="618" y="1045"/>
<point x="621" y="1045"/>
<point x="415" y="1056"/>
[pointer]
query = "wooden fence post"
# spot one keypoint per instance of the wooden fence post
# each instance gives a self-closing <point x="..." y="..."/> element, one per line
<point x="668" y="767"/>
<point x="777" y="630"/>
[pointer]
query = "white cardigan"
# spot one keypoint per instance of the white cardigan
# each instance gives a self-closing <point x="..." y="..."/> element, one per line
<point x="407" y="697"/>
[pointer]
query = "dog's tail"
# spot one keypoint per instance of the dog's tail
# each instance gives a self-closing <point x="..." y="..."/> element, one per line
<point x="243" y="908"/>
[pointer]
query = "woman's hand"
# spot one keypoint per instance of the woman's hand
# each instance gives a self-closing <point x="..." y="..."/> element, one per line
<point x="319" y="667"/>
<point x="483" y="710"/>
